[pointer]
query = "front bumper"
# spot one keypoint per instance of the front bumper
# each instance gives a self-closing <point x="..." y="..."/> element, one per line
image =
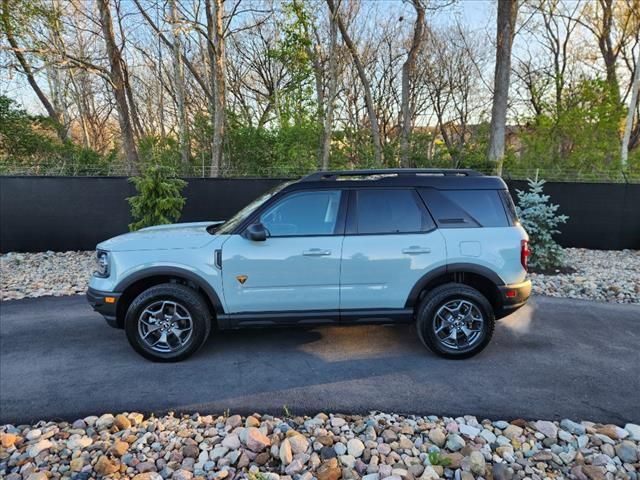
<point x="100" y="303"/>
<point x="512" y="297"/>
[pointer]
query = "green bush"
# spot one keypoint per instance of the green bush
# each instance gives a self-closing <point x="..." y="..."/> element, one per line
<point x="584" y="132"/>
<point x="159" y="200"/>
<point x="29" y="144"/>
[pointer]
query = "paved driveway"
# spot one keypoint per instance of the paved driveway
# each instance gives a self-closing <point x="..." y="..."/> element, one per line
<point x="556" y="358"/>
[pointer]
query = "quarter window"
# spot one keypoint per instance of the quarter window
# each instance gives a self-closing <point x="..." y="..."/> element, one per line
<point x="390" y="211"/>
<point x="465" y="208"/>
<point x="303" y="214"/>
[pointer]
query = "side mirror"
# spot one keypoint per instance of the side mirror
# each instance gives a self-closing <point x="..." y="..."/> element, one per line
<point x="256" y="232"/>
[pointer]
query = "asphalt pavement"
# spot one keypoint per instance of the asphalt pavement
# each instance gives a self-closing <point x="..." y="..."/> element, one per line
<point x="556" y="358"/>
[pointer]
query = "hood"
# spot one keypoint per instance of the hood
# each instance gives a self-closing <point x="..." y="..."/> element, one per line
<point x="162" y="237"/>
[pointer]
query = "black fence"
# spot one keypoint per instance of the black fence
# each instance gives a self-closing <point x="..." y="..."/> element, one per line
<point x="75" y="213"/>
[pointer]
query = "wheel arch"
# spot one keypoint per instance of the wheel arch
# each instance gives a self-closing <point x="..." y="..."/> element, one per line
<point x="483" y="279"/>
<point x="134" y="284"/>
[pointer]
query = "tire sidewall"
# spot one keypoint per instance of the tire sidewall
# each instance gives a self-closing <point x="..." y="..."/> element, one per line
<point x="185" y="296"/>
<point x="441" y="296"/>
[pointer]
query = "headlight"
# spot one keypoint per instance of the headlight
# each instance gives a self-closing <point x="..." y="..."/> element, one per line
<point x="102" y="264"/>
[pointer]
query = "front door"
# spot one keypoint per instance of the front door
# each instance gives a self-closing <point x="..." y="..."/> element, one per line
<point x="390" y="242"/>
<point x="297" y="268"/>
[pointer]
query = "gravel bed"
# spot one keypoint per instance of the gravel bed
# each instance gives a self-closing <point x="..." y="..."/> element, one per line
<point x="325" y="447"/>
<point x="608" y="276"/>
<point x="611" y="276"/>
<point x="30" y="275"/>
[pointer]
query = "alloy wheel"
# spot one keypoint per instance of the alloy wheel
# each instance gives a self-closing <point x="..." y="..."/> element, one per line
<point x="458" y="324"/>
<point x="165" y="326"/>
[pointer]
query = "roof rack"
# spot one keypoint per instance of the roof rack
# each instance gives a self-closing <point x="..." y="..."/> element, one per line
<point x="334" y="175"/>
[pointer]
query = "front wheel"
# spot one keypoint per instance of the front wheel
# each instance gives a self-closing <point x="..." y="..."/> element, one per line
<point x="168" y="322"/>
<point x="455" y="321"/>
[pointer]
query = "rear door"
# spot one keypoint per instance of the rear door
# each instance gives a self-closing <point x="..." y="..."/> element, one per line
<point x="390" y="242"/>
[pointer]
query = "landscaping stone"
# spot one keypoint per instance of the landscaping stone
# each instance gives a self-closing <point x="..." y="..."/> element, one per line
<point x="378" y="446"/>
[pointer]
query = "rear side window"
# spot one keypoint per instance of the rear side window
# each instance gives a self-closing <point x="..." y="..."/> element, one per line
<point x="389" y="211"/>
<point x="466" y="208"/>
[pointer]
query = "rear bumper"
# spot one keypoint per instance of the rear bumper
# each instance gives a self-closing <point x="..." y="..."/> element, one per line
<point x="98" y="300"/>
<point x="512" y="297"/>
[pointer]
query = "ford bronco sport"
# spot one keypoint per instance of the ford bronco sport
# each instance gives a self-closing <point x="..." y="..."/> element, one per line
<point x="441" y="248"/>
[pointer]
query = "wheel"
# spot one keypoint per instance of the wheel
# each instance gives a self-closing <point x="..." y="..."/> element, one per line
<point x="168" y="322"/>
<point x="455" y="321"/>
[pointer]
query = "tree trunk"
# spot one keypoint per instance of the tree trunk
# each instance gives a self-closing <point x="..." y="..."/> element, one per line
<point x="178" y="80"/>
<point x="607" y="49"/>
<point x="407" y="72"/>
<point x="82" y="114"/>
<point x="53" y="114"/>
<point x="138" y="130"/>
<point x="633" y="104"/>
<point x="507" y="13"/>
<point x="333" y="88"/>
<point x="368" y="97"/>
<point x="116" y="77"/>
<point x="215" y="41"/>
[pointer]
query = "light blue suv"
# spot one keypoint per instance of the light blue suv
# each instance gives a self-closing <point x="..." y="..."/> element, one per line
<point x="441" y="248"/>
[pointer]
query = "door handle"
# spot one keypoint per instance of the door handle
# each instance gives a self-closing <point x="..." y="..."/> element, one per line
<point x="415" y="250"/>
<point x="316" y="252"/>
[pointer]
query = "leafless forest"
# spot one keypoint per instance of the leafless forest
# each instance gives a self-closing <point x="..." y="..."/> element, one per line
<point x="247" y="87"/>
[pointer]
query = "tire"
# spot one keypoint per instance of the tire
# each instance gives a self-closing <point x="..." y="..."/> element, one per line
<point x="477" y="322"/>
<point x="173" y="310"/>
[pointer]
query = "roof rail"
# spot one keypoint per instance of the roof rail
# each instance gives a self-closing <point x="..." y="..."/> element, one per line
<point x="334" y="175"/>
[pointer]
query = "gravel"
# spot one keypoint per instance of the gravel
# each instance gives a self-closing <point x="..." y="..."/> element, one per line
<point x="610" y="276"/>
<point x="30" y="275"/>
<point x="371" y="447"/>
<point x="602" y="275"/>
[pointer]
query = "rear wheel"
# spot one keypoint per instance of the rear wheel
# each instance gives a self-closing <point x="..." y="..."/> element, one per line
<point x="168" y="322"/>
<point x="455" y="321"/>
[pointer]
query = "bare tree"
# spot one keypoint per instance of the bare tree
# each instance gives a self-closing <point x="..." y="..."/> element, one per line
<point x="371" y="112"/>
<point x="449" y="71"/>
<point x="507" y="13"/>
<point x="633" y="104"/>
<point x="613" y="23"/>
<point x="327" y="126"/>
<point x="216" y="49"/>
<point x="407" y="71"/>
<point x="53" y="114"/>
<point x="558" y="29"/>
<point x="178" y="80"/>
<point x="116" y="75"/>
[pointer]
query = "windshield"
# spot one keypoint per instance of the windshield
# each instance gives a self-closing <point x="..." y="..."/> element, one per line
<point x="233" y="222"/>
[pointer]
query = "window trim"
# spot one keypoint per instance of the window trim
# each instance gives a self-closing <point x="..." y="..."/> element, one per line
<point x="351" y="227"/>
<point x="507" y="203"/>
<point x="338" y="230"/>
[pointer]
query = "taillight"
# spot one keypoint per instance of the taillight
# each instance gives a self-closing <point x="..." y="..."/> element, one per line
<point x="524" y="254"/>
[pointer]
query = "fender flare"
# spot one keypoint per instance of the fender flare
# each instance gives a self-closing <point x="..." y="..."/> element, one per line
<point x="451" y="268"/>
<point x="173" y="272"/>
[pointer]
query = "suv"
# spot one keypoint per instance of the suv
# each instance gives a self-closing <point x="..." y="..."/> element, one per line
<point x="443" y="248"/>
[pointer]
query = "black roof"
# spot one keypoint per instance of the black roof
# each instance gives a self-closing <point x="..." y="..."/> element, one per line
<point x="444" y="179"/>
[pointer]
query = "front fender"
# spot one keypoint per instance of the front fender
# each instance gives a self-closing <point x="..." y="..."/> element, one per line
<point x="188" y="274"/>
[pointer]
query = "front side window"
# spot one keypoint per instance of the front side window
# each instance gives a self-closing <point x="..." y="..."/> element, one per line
<point x="303" y="214"/>
<point x="239" y="217"/>
<point x="390" y="211"/>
